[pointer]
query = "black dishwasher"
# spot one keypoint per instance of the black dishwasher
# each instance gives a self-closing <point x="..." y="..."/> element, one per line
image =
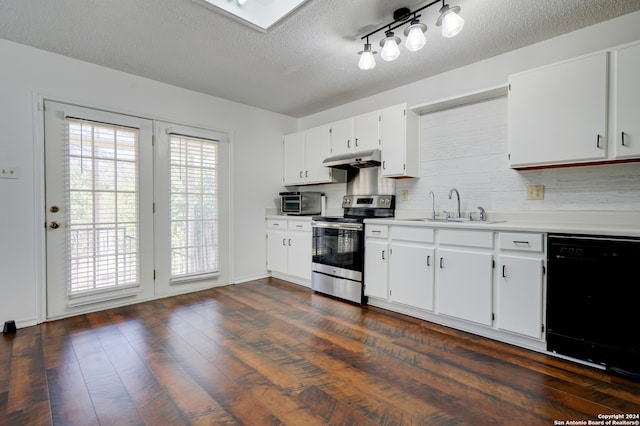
<point x="593" y="300"/>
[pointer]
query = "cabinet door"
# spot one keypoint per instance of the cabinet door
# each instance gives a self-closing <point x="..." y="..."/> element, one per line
<point x="557" y="114"/>
<point x="627" y="114"/>
<point x="342" y="137"/>
<point x="411" y="274"/>
<point x="520" y="295"/>
<point x="277" y="251"/>
<point x="316" y="150"/>
<point x="464" y="282"/>
<point x="299" y="254"/>
<point x="366" y="131"/>
<point x="394" y="136"/>
<point x="376" y="254"/>
<point x="293" y="158"/>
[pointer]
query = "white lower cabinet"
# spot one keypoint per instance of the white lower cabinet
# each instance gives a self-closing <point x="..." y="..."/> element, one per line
<point x="411" y="266"/>
<point x="484" y="281"/>
<point x="465" y="284"/>
<point x="289" y="248"/>
<point x="520" y="284"/>
<point x="376" y="261"/>
<point x="464" y="275"/>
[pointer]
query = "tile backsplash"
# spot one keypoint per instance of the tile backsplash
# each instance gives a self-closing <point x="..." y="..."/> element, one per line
<point x="467" y="148"/>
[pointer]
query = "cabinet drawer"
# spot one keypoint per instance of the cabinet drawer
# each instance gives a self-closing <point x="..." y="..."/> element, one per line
<point x="521" y="241"/>
<point x="413" y="233"/>
<point x="466" y="238"/>
<point x="378" y="231"/>
<point x="277" y="224"/>
<point x="295" y="225"/>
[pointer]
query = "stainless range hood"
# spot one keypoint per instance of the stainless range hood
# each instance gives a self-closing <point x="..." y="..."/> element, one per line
<point x="358" y="160"/>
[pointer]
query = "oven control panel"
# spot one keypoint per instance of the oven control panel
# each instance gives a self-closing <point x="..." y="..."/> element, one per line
<point x="368" y="201"/>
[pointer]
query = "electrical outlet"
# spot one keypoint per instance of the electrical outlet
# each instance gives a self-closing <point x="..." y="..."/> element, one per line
<point x="404" y="195"/>
<point x="8" y="172"/>
<point x="535" y="192"/>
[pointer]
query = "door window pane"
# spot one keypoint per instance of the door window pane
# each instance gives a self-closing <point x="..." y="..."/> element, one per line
<point x="102" y="197"/>
<point x="194" y="217"/>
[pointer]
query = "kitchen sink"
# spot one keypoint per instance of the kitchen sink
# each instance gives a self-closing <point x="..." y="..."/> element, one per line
<point x="456" y="220"/>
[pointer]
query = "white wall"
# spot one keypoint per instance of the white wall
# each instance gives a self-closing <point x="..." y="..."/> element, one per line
<point x="27" y="73"/>
<point x="472" y="155"/>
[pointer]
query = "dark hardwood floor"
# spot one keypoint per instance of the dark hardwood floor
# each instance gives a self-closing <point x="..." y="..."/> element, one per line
<point x="269" y="352"/>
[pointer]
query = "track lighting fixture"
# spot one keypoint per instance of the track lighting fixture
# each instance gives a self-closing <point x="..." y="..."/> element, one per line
<point x="449" y="20"/>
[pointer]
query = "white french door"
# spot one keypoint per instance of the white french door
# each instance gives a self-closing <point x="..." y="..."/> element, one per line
<point x="192" y="208"/>
<point x="99" y="209"/>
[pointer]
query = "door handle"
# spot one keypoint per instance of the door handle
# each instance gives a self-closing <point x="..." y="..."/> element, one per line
<point x="54" y="225"/>
<point x="428" y="260"/>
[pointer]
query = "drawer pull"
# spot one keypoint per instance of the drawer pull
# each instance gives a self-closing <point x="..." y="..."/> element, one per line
<point x="375" y="232"/>
<point x="428" y="260"/>
<point x="518" y="243"/>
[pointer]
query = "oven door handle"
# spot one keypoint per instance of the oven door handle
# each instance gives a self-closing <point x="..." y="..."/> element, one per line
<point x="332" y="225"/>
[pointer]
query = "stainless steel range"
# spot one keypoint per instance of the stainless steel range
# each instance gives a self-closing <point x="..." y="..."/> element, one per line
<point x="338" y="246"/>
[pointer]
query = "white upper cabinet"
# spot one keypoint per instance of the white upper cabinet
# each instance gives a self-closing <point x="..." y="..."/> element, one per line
<point x="366" y="131"/>
<point x="341" y="136"/>
<point x="316" y="149"/>
<point x="558" y="114"/>
<point x="626" y="116"/>
<point x="400" y="142"/>
<point x="293" y="158"/>
<point x="360" y="133"/>
<point x="303" y="153"/>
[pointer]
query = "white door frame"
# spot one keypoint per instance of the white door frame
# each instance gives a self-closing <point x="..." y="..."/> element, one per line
<point x="40" y="259"/>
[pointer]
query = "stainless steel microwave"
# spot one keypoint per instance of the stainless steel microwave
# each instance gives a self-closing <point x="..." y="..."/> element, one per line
<point x="301" y="203"/>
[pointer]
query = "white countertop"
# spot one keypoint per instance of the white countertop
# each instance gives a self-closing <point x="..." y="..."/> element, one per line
<point x="589" y="223"/>
<point x="622" y="224"/>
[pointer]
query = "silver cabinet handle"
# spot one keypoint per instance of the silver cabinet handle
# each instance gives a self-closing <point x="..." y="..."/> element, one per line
<point x="598" y="137"/>
<point x="356" y="141"/>
<point x="300" y="173"/>
<point x="441" y="266"/>
<point x="518" y="243"/>
<point x="289" y="242"/>
<point x="504" y="271"/>
<point x="383" y="254"/>
<point x="622" y="134"/>
<point x="348" y="143"/>
<point x="428" y="260"/>
<point x="284" y="241"/>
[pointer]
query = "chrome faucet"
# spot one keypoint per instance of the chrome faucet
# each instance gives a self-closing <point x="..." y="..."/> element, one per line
<point x="458" y="197"/>
<point x="433" y="204"/>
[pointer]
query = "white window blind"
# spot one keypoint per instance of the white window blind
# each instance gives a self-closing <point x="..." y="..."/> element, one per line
<point x="194" y="210"/>
<point x="102" y="201"/>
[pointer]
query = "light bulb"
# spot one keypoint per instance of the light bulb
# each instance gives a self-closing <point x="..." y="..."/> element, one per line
<point x="451" y="22"/>
<point x="367" y="61"/>
<point x="390" y="50"/>
<point x="415" y="36"/>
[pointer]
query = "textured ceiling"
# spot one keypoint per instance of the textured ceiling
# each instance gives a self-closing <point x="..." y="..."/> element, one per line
<point x="303" y="65"/>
